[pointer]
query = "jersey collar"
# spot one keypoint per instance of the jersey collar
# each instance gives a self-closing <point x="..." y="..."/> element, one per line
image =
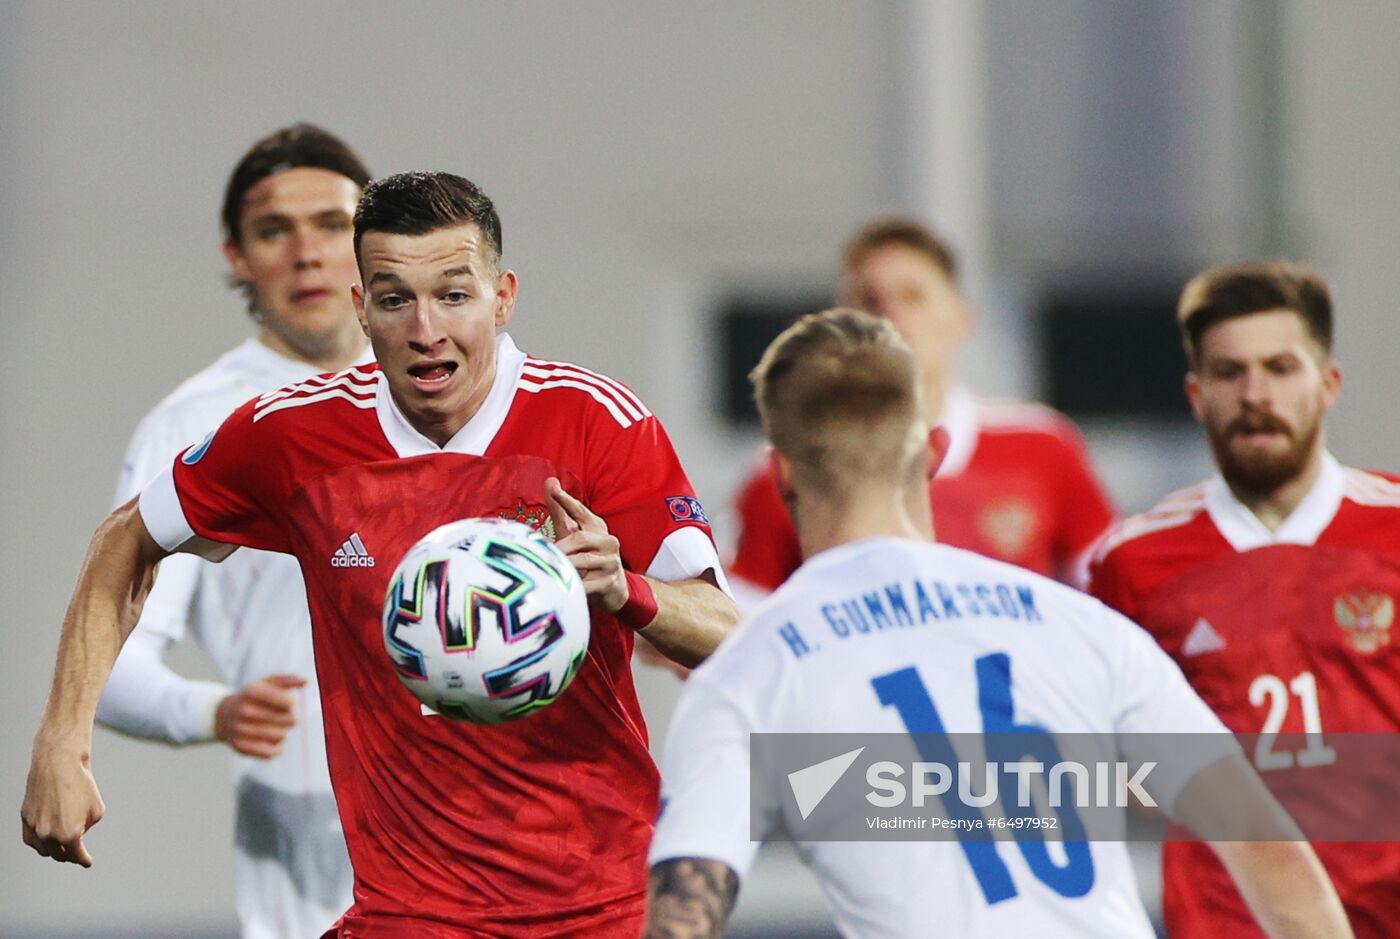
<point x="1245" y="532"/>
<point x="476" y="434"/>
<point x="959" y="419"/>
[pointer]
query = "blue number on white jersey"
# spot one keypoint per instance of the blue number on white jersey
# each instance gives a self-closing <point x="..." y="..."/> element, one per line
<point x="905" y="691"/>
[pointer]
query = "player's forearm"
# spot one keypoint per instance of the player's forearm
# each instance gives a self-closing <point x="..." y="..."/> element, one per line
<point x="690" y="898"/>
<point x="1286" y="888"/>
<point x="1276" y="871"/>
<point x="113" y="583"/>
<point x="692" y="618"/>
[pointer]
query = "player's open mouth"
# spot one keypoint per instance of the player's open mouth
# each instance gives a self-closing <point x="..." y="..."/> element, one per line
<point x="430" y="376"/>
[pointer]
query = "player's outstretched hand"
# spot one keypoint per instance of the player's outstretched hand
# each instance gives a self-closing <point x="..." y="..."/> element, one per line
<point x="585" y="541"/>
<point x="61" y="802"/>
<point x="254" y="721"/>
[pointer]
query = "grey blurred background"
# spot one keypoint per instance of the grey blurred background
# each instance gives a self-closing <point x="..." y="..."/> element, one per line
<point x="652" y="162"/>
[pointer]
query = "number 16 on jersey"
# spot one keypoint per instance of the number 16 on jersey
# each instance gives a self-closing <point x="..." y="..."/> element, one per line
<point x="905" y="691"/>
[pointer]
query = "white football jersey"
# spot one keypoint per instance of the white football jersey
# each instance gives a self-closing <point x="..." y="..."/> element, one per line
<point x="918" y="623"/>
<point x="250" y="615"/>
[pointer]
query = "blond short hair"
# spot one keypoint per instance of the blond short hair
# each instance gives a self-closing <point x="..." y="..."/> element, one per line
<point x="838" y="394"/>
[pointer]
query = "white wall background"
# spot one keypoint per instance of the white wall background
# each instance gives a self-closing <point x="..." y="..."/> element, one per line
<point x="646" y="157"/>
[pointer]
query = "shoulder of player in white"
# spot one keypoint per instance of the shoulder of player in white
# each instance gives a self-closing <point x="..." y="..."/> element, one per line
<point x="199" y="403"/>
<point x="1008" y="415"/>
<point x="1371" y="489"/>
<point x="1173" y="511"/>
<point x="621" y="403"/>
<point x="356" y="386"/>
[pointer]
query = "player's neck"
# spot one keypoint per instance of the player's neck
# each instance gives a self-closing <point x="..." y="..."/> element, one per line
<point x="1273" y="508"/>
<point x="884" y="513"/>
<point x="328" y="354"/>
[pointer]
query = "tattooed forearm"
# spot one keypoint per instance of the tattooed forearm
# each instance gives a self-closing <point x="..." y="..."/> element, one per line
<point x="691" y="898"/>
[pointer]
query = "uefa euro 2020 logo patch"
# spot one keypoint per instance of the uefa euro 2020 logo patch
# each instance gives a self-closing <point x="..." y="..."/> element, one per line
<point x="196" y="453"/>
<point x="686" y="509"/>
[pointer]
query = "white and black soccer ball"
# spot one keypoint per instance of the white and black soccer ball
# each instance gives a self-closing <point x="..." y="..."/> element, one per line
<point x="485" y="621"/>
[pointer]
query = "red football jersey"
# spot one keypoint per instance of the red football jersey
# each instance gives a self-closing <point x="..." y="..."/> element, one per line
<point x="532" y="828"/>
<point x="1015" y="484"/>
<point x="1286" y="632"/>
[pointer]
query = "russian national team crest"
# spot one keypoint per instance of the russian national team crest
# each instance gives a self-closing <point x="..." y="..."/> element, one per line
<point x="534" y="515"/>
<point x="1366" y="619"/>
<point x="1007" y="526"/>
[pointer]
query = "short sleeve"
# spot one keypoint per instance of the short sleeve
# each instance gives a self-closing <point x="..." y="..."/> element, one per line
<point x="227" y="489"/>
<point x="767" y="551"/>
<point x="705" y="790"/>
<point x="1085" y="509"/>
<point x="635" y="482"/>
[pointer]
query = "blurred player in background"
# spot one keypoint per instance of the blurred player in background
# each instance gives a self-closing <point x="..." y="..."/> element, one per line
<point x="1016" y="482"/>
<point x="532" y="828"/>
<point x="839" y="397"/>
<point x="1273" y="585"/>
<point x="287" y="218"/>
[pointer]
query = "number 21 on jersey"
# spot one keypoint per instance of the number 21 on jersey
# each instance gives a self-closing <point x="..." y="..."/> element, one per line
<point x="1271" y="689"/>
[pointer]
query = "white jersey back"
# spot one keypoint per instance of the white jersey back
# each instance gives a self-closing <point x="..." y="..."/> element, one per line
<point x="818" y="656"/>
<point x="250" y="615"/>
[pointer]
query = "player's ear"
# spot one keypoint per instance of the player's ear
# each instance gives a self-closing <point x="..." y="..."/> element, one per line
<point x="506" y="287"/>
<point x="1331" y="384"/>
<point x="357" y="297"/>
<point x="781" y="468"/>
<point x="1193" y="395"/>
<point x="237" y="263"/>
<point x="939" y="443"/>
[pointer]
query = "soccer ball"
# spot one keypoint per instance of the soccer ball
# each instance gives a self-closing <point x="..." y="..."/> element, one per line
<point x="485" y="621"/>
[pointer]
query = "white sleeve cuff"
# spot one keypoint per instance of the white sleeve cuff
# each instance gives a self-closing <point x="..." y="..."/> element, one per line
<point x="162" y="513"/>
<point x="686" y="554"/>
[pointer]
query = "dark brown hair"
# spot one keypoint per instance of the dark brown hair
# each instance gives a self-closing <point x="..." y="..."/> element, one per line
<point x="299" y="145"/>
<point x="1234" y="290"/>
<point x="418" y="203"/>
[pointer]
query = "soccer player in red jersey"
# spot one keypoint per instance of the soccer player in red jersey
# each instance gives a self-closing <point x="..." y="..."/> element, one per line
<point x="533" y="828"/>
<point x="1273" y="584"/>
<point x="1015" y="482"/>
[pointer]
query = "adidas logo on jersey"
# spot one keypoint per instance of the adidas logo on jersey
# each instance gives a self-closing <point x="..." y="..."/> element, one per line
<point x="352" y="554"/>
<point x="1202" y="639"/>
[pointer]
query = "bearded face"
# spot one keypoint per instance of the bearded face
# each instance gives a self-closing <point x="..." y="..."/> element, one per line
<point x="1261" y="388"/>
<point x="1259" y="452"/>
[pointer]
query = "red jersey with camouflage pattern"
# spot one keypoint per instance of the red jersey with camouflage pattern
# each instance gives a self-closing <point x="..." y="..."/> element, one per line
<point x="1290" y="632"/>
<point x="533" y="828"/>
